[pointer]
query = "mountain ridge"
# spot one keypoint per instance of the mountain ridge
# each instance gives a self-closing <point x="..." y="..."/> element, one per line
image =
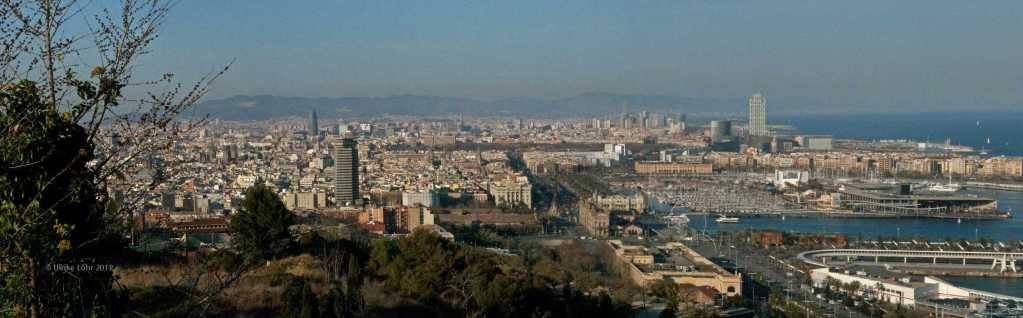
<point x="261" y="107"/>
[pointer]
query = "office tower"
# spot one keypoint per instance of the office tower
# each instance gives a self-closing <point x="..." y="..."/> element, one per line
<point x="231" y="152"/>
<point x="346" y="172"/>
<point x="622" y="122"/>
<point x="757" y="116"/>
<point x="314" y="127"/>
<point x="720" y="130"/>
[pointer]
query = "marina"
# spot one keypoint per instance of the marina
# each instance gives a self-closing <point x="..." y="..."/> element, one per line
<point x="746" y="196"/>
<point x="1002" y="232"/>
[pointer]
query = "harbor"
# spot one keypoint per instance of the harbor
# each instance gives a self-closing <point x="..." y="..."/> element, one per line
<point x="1007" y="229"/>
<point x="747" y="197"/>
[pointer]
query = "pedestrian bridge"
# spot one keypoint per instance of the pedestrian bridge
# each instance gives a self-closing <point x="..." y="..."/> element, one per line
<point x="1002" y="260"/>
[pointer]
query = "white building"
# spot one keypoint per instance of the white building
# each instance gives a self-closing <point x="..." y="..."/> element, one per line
<point x="618" y="150"/>
<point x="635" y="201"/>
<point x="245" y="181"/>
<point x="757" y="116"/>
<point x="306" y="200"/>
<point x="303" y="200"/>
<point x="790" y="178"/>
<point x="902" y="292"/>
<point x="424" y="198"/>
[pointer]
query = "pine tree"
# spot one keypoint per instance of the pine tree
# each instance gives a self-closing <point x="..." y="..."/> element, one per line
<point x="330" y="303"/>
<point x="293" y="296"/>
<point x="310" y="304"/>
<point x="261" y="226"/>
<point x="353" y="301"/>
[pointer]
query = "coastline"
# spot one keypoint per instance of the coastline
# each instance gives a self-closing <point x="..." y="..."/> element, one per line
<point x="858" y="215"/>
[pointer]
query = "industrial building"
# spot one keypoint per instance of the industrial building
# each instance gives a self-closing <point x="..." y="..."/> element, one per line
<point x="676" y="263"/>
<point x="673" y="168"/>
<point x="900" y="199"/>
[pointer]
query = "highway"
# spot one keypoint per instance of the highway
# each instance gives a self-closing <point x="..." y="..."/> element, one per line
<point x="1002" y="260"/>
<point x="753" y="261"/>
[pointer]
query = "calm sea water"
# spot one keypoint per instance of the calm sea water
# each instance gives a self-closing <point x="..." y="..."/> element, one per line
<point x="926" y="229"/>
<point x="1001" y="285"/>
<point x="972" y="129"/>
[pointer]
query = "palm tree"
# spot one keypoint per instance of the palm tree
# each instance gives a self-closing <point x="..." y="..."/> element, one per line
<point x="855" y="287"/>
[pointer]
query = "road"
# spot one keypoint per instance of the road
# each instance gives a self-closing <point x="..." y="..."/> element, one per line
<point x="754" y="261"/>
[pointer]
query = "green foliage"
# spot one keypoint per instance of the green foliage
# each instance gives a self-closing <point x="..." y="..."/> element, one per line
<point x="51" y="214"/>
<point x="328" y="307"/>
<point x="736" y="302"/>
<point x="158" y="301"/>
<point x="476" y="235"/>
<point x="310" y="304"/>
<point x="696" y="311"/>
<point x="417" y="266"/>
<point x="300" y="301"/>
<point x="261" y="225"/>
<point x="351" y="302"/>
<point x="585" y="264"/>
<point x="463" y="281"/>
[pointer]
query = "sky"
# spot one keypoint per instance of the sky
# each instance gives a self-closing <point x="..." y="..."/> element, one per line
<point x="843" y="53"/>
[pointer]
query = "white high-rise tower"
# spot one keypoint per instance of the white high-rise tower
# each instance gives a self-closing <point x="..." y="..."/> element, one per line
<point x="757" y="116"/>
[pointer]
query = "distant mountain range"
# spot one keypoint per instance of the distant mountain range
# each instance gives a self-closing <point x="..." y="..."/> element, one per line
<point x="267" y="106"/>
<point x="245" y="107"/>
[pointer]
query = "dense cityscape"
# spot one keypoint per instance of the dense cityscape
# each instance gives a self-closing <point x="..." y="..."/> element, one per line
<point x="322" y="211"/>
<point x="632" y="186"/>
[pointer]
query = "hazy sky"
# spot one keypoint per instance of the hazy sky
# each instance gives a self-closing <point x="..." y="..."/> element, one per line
<point x="844" y="52"/>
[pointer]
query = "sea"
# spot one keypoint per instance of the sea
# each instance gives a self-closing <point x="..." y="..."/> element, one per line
<point x="904" y="229"/>
<point x="1007" y="231"/>
<point x="999" y="133"/>
<point x="961" y="128"/>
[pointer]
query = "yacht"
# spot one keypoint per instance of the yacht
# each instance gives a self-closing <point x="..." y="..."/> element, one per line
<point x="725" y="219"/>
<point x="951" y="187"/>
<point x="948" y="187"/>
<point x="678" y="219"/>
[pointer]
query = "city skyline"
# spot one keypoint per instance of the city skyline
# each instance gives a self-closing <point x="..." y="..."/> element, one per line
<point x="510" y="159"/>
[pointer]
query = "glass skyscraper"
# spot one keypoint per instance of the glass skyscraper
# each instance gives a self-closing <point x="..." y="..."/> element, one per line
<point x="346" y="171"/>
